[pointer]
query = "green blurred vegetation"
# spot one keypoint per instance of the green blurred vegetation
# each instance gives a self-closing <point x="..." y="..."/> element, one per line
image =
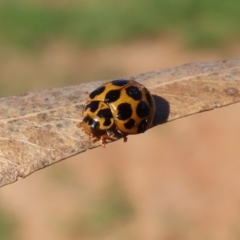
<point x="109" y="212"/>
<point x="7" y="226"/>
<point x="92" y="23"/>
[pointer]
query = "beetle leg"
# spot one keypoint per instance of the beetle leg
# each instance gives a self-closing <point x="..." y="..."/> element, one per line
<point x="125" y="138"/>
<point x="80" y="124"/>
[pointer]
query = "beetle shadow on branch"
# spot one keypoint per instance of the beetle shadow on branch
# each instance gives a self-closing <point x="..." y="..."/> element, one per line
<point x="162" y="110"/>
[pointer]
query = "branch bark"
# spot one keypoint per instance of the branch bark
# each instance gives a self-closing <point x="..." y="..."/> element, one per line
<point x="38" y="129"/>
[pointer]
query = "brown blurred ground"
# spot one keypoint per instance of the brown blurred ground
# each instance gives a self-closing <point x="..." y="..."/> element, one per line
<point x="180" y="180"/>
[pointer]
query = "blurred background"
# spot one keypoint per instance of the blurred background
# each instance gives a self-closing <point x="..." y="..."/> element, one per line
<point x="176" y="181"/>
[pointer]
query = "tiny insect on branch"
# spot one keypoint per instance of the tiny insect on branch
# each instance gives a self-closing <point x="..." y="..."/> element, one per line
<point x="116" y="109"/>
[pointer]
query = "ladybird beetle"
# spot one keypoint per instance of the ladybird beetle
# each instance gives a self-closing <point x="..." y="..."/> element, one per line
<point x="116" y="109"/>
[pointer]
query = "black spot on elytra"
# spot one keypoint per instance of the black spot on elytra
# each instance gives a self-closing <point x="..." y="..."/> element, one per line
<point x="93" y="106"/>
<point x="120" y="82"/>
<point x="142" y="109"/>
<point x="112" y="96"/>
<point x="107" y="122"/>
<point x="129" y="124"/>
<point x="124" y="111"/>
<point x="142" y="126"/>
<point x="134" y="92"/>
<point x="149" y="99"/>
<point x="97" y="92"/>
<point x="105" y="113"/>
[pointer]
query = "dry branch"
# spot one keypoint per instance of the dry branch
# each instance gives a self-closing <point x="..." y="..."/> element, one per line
<point x="39" y="128"/>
